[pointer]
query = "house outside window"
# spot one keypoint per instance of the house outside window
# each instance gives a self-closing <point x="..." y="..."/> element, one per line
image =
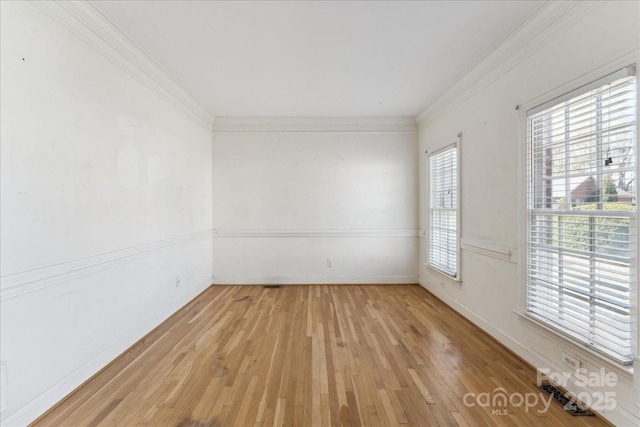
<point x="581" y="223"/>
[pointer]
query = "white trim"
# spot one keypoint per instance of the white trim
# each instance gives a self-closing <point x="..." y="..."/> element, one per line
<point x="491" y="249"/>
<point x="459" y="206"/>
<point x="619" y="416"/>
<point x="318" y="280"/>
<point x="597" y="73"/>
<point x="315" y="124"/>
<point x="4" y="381"/>
<point x="13" y="285"/>
<point x="451" y="280"/>
<point x="457" y="145"/>
<point x="441" y="149"/>
<point x="636" y="382"/>
<point x="635" y="294"/>
<point x="550" y="19"/>
<point x="275" y="233"/>
<point x="559" y="337"/>
<point x="87" y="22"/>
<point x="515" y="346"/>
<point x="627" y="71"/>
<point x="37" y="406"/>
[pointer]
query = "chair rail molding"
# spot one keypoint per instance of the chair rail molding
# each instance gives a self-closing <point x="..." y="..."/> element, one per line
<point x="13" y="285"/>
<point x="274" y="233"/>
<point x="491" y="249"/>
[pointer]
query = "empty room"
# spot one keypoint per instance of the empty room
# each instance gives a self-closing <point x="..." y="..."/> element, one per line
<point x="319" y="213"/>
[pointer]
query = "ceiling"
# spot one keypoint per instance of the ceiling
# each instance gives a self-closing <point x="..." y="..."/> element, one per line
<point x="319" y="58"/>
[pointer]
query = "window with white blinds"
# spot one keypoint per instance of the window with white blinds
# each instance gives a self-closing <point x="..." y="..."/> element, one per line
<point x="443" y="209"/>
<point x="581" y="260"/>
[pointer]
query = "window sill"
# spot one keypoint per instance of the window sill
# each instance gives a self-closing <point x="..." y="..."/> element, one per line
<point x="592" y="356"/>
<point x="455" y="281"/>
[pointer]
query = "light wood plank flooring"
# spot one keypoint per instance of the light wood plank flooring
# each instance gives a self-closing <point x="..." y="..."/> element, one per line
<point x="309" y="356"/>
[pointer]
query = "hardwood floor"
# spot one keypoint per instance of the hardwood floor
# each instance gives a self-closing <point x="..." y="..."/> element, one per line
<point x="309" y="356"/>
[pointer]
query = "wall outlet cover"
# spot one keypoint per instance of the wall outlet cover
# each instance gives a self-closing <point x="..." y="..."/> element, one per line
<point x="571" y="361"/>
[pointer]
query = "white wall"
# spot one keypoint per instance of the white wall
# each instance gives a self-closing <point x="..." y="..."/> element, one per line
<point x="603" y="38"/>
<point x="288" y="194"/>
<point x="106" y="201"/>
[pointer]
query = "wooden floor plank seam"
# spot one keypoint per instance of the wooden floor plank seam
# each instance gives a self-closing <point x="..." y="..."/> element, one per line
<point x="311" y="355"/>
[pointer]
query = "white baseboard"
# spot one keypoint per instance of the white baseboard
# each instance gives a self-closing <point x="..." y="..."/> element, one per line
<point x="309" y="280"/>
<point x="39" y="405"/>
<point x="619" y="416"/>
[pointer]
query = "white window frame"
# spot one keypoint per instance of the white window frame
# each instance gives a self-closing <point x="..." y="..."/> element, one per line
<point x="430" y="153"/>
<point x="548" y="98"/>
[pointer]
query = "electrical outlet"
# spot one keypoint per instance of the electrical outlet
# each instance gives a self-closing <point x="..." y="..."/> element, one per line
<point x="571" y="361"/>
<point x="178" y="282"/>
<point x="329" y="262"/>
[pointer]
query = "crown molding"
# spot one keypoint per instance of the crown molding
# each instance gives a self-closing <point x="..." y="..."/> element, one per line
<point x="315" y="124"/>
<point x="545" y="23"/>
<point x="87" y="22"/>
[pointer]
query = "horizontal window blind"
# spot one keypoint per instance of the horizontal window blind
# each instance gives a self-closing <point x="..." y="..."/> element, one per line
<point x="581" y="260"/>
<point x="443" y="201"/>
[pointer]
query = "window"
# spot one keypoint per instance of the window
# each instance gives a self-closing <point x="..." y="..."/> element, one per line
<point x="443" y="211"/>
<point x="581" y="260"/>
